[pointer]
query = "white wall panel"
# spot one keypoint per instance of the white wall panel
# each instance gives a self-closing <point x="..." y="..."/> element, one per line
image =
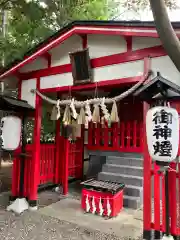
<point x="165" y="66"/>
<point x="26" y="94"/>
<point x="144" y="42"/>
<point x="60" y="54"/>
<point x="118" y="71"/>
<point x="103" y="45"/>
<point x="59" y="80"/>
<point x="39" y="63"/>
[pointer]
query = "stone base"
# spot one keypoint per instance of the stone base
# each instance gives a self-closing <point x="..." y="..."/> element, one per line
<point x="167" y="237"/>
<point x="18" y="206"/>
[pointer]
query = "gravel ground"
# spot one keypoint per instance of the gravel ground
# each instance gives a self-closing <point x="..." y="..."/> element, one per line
<point x="34" y="226"/>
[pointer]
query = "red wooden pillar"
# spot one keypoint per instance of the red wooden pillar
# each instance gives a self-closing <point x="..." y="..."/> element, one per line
<point x="36" y="152"/>
<point x="57" y="153"/>
<point x="147" y="183"/>
<point x="173" y="199"/>
<point x="66" y="166"/>
<point x="16" y="163"/>
<point x="157" y="207"/>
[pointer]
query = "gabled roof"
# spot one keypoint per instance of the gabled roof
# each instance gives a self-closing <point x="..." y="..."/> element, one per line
<point x="158" y="88"/>
<point x="8" y="103"/>
<point x="53" y="40"/>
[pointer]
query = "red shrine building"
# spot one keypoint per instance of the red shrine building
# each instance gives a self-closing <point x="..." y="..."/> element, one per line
<point x="86" y="59"/>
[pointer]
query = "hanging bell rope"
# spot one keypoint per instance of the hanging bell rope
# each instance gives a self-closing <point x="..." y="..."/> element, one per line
<point x="79" y="104"/>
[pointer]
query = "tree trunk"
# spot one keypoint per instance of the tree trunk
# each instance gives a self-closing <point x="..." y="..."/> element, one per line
<point x="165" y="30"/>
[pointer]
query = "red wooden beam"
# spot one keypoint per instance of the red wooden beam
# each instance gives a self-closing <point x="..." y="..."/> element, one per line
<point x="47" y="57"/>
<point x="84" y="41"/>
<point x="115" y="31"/>
<point x="101" y="84"/>
<point x="118" y="58"/>
<point x="129" y="43"/>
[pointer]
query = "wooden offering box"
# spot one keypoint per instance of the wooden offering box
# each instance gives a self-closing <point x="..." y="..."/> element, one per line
<point x="102" y="198"/>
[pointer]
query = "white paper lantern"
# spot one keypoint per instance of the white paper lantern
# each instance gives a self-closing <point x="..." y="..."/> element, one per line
<point x="162" y="129"/>
<point x="11" y="132"/>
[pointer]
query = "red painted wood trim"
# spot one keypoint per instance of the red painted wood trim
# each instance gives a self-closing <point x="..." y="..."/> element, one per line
<point x="82" y="30"/>
<point x="84" y="41"/>
<point x="47" y="56"/>
<point x="101" y="84"/>
<point x="104" y="31"/>
<point x="117" y="31"/>
<point x="147" y="66"/>
<point x="35" y="174"/>
<point x="147" y="178"/>
<point x="39" y="53"/>
<point x="129" y="43"/>
<point x="118" y="58"/>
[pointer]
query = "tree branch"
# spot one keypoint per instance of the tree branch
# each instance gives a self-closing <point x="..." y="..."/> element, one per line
<point x="165" y="30"/>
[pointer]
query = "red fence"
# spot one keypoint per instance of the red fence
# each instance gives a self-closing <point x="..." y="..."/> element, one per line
<point x="75" y="159"/>
<point x="125" y="137"/>
<point x="154" y="189"/>
<point x="157" y="219"/>
<point x="53" y="164"/>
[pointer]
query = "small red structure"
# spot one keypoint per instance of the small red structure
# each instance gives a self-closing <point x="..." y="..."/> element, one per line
<point x="97" y="195"/>
<point x="119" y="55"/>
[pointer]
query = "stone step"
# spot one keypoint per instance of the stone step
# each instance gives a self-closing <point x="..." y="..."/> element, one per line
<point x="131" y="202"/>
<point x="125" y="161"/>
<point x="134" y="191"/>
<point x="121" y="178"/>
<point x="123" y="169"/>
<point x="115" y="154"/>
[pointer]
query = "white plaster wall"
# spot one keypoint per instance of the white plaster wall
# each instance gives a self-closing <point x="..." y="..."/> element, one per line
<point x="26" y="94"/>
<point x="118" y="71"/>
<point x="59" y="80"/>
<point x="60" y="54"/>
<point x="166" y="67"/>
<point x="103" y="45"/>
<point x="144" y="42"/>
<point x="39" y="63"/>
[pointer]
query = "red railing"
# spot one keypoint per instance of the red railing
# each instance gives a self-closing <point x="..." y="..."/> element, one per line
<point x="76" y="159"/>
<point x="158" y="219"/>
<point x="125" y="137"/>
<point x="52" y="166"/>
<point x="154" y="188"/>
<point x="46" y="167"/>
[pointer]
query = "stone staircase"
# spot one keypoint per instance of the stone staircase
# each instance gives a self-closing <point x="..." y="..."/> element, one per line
<point x="126" y="168"/>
